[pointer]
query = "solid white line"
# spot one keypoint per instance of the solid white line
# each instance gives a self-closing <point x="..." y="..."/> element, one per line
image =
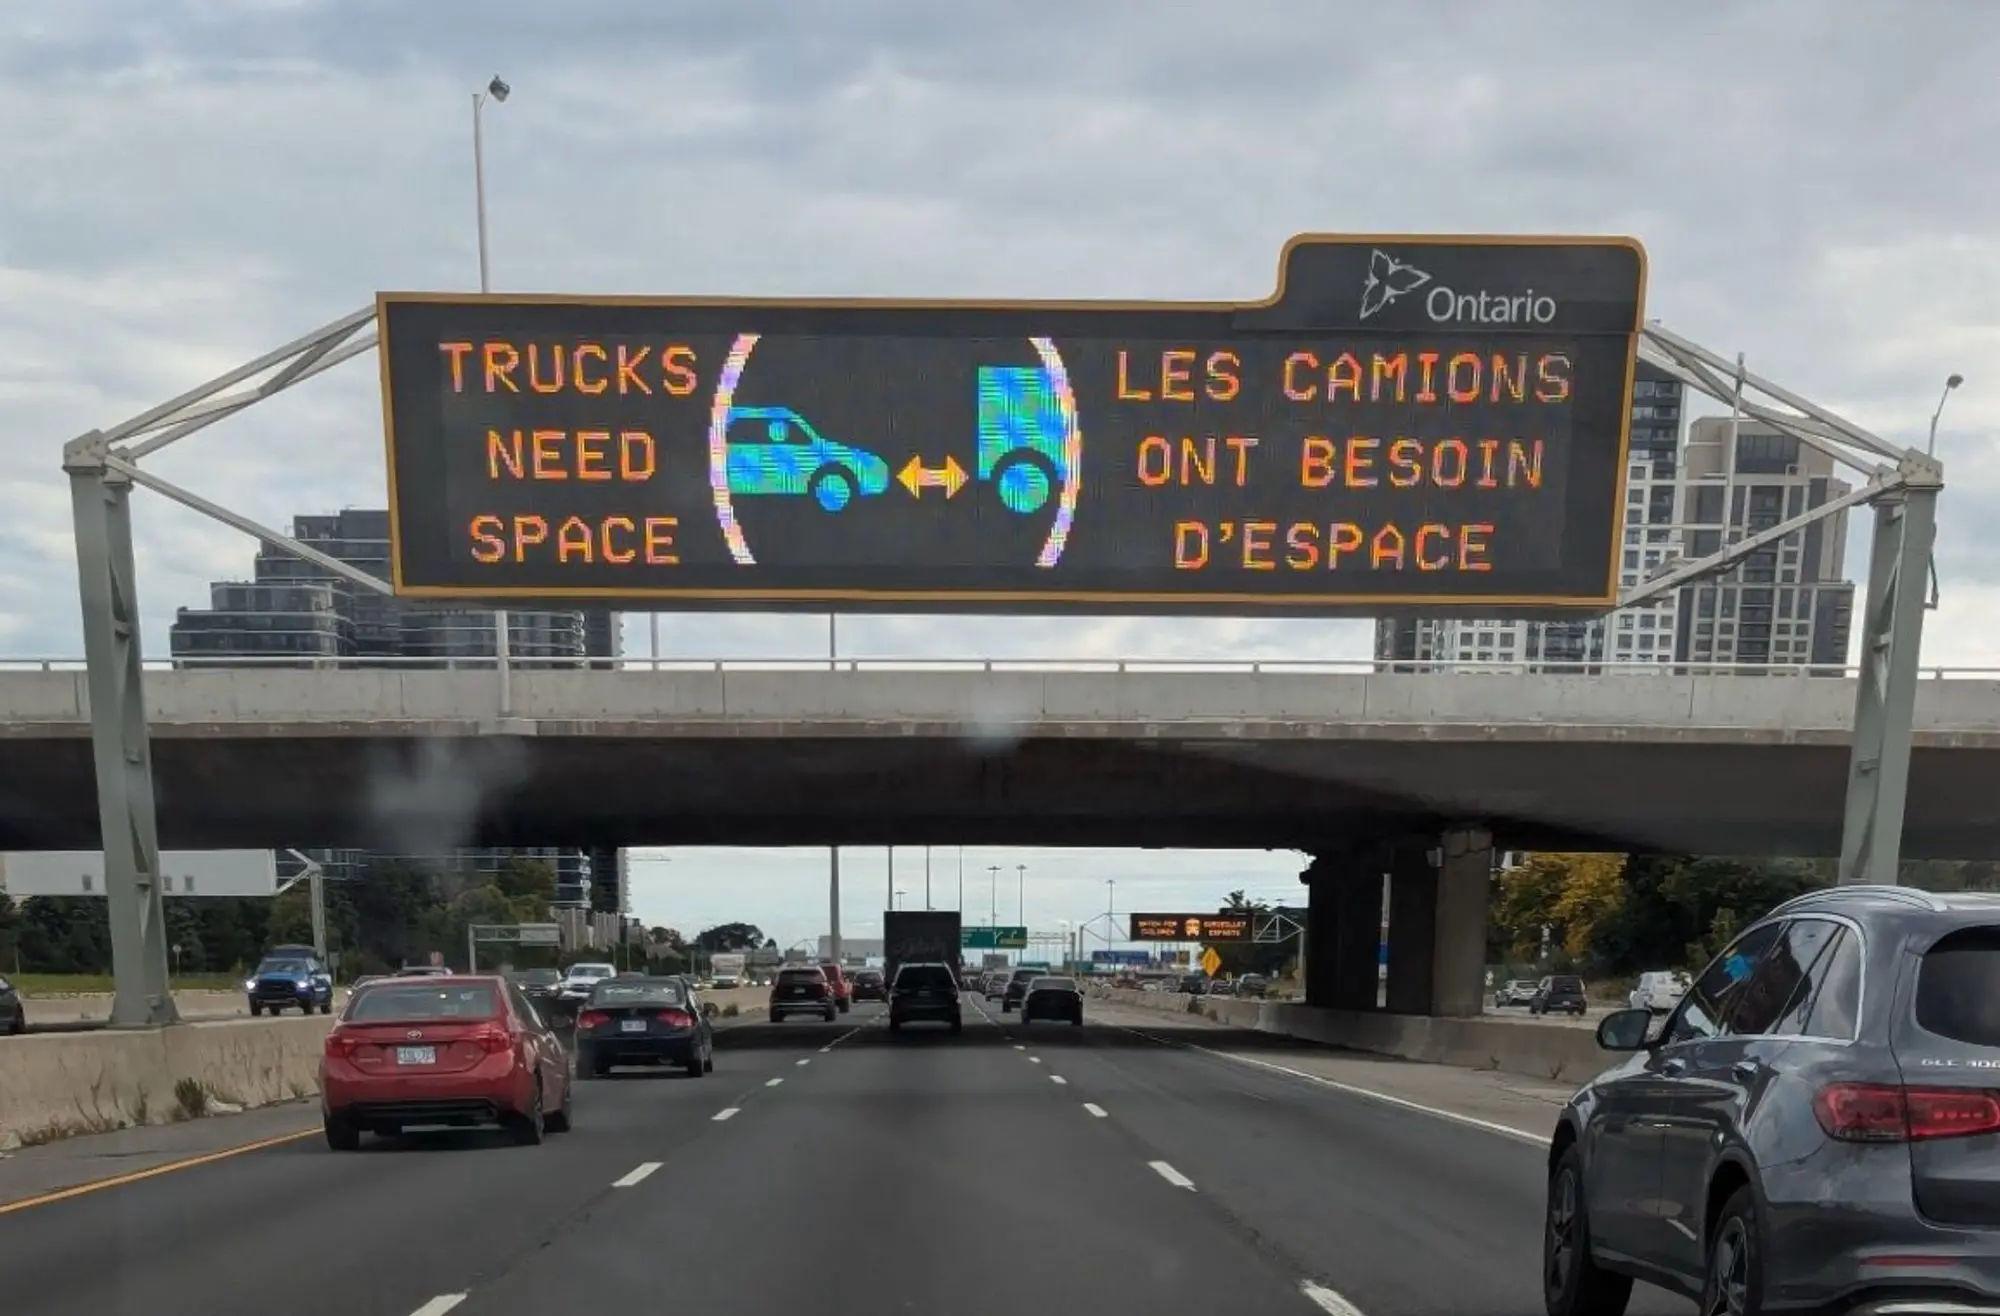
<point x="1470" y="1121"/>
<point x="1171" y="1175"/>
<point x="637" y="1176"/>
<point x="1058" y="1078"/>
<point x="805" y="1062"/>
<point x="1327" y="1300"/>
<point x="439" y="1305"/>
<point x="772" y="1082"/>
<point x="1095" y="1109"/>
<point x="728" y="1112"/>
<point x="842" y="1038"/>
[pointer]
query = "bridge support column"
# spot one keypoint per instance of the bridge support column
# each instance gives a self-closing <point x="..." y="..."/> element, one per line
<point x="1413" y="908"/>
<point x="128" y="828"/>
<point x="1343" y="930"/>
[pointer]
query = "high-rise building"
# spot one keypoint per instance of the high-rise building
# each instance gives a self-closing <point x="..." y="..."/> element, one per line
<point x="292" y="608"/>
<point x="1652" y="479"/>
<point x="1786" y="603"/>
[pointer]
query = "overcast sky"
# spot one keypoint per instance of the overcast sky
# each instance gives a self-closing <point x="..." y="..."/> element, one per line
<point x="191" y="182"/>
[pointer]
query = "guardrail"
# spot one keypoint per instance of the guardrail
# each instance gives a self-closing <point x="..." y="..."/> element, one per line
<point x="1272" y="666"/>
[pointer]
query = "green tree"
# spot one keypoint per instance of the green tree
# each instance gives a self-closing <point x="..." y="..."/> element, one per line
<point x="727" y="937"/>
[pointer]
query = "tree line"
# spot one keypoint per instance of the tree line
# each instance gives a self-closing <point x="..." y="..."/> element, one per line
<point x="1609" y="915"/>
<point x="396" y="913"/>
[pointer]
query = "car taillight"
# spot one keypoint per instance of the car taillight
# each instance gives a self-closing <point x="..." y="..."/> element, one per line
<point x="592" y="1019"/>
<point x="341" y="1045"/>
<point x="677" y="1018"/>
<point x="1878" y="1112"/>
<point x="493" y="1038"/>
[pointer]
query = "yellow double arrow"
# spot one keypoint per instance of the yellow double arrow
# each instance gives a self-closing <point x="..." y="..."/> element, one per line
<point x="915" y="477"/>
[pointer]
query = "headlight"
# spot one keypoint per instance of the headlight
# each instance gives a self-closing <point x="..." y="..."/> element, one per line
<point x="249" y="984"/>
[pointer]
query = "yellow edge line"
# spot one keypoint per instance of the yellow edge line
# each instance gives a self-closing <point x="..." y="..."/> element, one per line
<point x="119" y="1181"/>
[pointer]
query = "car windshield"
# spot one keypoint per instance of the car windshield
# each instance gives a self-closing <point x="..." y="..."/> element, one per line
<point x="658" y="991"/>
<point x="410" y="1001"/>
<point x="1052" y="985"/>
<point x="585" y="972"/>
<point x="283" y="966"/>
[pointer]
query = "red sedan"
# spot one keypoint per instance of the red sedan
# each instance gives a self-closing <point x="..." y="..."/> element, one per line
<point x="456" y="1051"/>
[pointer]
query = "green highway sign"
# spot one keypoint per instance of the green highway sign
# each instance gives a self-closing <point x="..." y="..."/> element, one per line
<point x="993" y="938"/>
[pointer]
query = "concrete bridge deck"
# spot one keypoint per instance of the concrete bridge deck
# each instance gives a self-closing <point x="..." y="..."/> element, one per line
<point x="396" y="756"/>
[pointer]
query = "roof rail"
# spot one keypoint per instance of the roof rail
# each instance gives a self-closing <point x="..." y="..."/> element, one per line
<point x="1902" y="895"/>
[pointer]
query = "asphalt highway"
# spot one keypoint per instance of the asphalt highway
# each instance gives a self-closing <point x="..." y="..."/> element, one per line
<point x="836" y="1169"/>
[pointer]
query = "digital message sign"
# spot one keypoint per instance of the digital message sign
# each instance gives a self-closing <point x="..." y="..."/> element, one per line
<point x="1407" y="422"/>
<point x="1190" y="927"/>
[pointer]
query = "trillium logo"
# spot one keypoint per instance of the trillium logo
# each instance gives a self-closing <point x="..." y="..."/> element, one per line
<point x="1388" y="279"/>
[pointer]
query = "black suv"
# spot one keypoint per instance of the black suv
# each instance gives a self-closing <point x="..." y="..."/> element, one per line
<point x="925" y="992"/>
<point x="1561" y="994"/>
<point x="1816" y="1127"/>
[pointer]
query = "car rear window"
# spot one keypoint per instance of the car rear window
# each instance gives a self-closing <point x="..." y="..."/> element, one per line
<point x="1052" y="985"/>
<point x="925" y="975"/>
<point x="801" y="975"/>
<point x="639" y="993"/>
<point x="1565" y="984"/>
<point x="1958" y="987"/>
<point x="409" y="1000"/>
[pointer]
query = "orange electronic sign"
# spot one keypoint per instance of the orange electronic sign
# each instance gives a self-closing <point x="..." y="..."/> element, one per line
<point x="1191" y="927"/>
<point x="1408" y="422"/>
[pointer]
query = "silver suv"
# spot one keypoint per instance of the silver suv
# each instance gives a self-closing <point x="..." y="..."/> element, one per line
<point x="1815" y="1128"/>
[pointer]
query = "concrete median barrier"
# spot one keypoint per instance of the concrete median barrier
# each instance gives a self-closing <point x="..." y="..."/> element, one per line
<point x="1556" y="1054"/>
<point x="61" y="1085"/>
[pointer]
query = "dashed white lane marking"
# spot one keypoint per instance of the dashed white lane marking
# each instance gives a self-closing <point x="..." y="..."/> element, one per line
<point x="1470" y="1121"/>
<point x="772" y="1082"/>
<point x="1019" y="1047"/>
<point x="1171" y="1175"/>
<point x="1034" y="1060"/>
<point x="727" y="1113"/>
<point x="1327" y="1300"/>
<point x="1058" y="1078"/>
<point x="805" y="1062"/>
<point x="838" y="1040"/>
<point x="1096" y="1109"/>
<point x="637" y="1176"/>
<point x="439" y="1305"/>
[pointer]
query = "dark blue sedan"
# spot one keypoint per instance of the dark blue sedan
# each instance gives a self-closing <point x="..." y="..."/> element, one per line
<point x="643" y="1021"/>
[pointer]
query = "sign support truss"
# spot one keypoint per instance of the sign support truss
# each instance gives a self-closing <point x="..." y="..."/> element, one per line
<point x="104" y="465"/>
<point x="1903" y="486"/>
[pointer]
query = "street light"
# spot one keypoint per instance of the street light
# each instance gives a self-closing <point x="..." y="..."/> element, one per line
<point x="992" y="895"/>
<point x="1951" y="382"/>
<point x="1021" y="894"/>
<point x="896" y="899"/>
<point x="499" y="91"/>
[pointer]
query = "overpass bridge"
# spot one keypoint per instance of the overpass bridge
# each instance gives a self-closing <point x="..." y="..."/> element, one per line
<point x="1186" y="755"/>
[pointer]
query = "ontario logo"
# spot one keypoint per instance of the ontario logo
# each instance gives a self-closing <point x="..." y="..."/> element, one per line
<point x="1390" y="279"/>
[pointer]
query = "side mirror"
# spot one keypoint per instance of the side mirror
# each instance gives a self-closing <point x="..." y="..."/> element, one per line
<point x="1624" y="1030"/>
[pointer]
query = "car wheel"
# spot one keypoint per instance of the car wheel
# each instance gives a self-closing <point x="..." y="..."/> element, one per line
<point x="708" y="1060"/>
<point x="255" y="1009"/>
<point x="829" y="1014"/>
<point x="957" y="1024"/>
<point x="895" y="1025"/>
<point x="20" y="1024"/>
<point x="1572" y="1282"/>
<point x="694" y="1067"/>
<point x="530" y="1126"/>
<point x="587" y="1067"/>
<point x="1735" y="1282"/>
<point x="845" y="1007"/>
<point x="342" y="1134"/>
<point x="832" y="488"/>
<point x="558" y="1120"/>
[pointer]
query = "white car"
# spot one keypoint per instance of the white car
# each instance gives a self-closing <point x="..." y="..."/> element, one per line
<point x="1659" y="990"/>
<point x="582" y="979"/>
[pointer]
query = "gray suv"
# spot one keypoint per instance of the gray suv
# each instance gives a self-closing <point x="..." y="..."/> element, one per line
<point x="1815" y="1128"/>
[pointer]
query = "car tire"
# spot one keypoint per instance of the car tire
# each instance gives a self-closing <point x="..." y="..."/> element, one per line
<point x="20" y="1024"/>
<point x="822" y="483"/>
<point x="845" y="1006"/>
<point x="558" y="1121"/>
<point x="255" y="1009"/>
<point x="694" y="1067"/>
<point x="831" y="1014"/>
<point x="895" y="1025"/>
<point x="1573" y="1284"/>
<point x="1735" y="1259"/>
<point x="957" y="1024"/>
<point x="708" y="1061"/>
<point x="530" y="1126"/>
<point x="342" y="1134"/>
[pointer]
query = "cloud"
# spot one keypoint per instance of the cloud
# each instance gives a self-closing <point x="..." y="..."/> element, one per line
<point x="191" y="182"/>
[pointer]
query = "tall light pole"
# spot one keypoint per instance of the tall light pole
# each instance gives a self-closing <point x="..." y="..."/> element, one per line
<point x="499" y="91"/>
<point x="927" y="877"/>
<point x="961" y="879"/>
<point x="992" y="895"/>
<point x="896" y="899"/>
<point x="1951" y="382"/>
<point x="1021" y="894"/>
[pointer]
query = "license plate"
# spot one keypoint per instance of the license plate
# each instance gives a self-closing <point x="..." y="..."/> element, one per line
<point x="631" y="1025"/>
<point x="416" y="1055"/>
<point x="798" y="991"/>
